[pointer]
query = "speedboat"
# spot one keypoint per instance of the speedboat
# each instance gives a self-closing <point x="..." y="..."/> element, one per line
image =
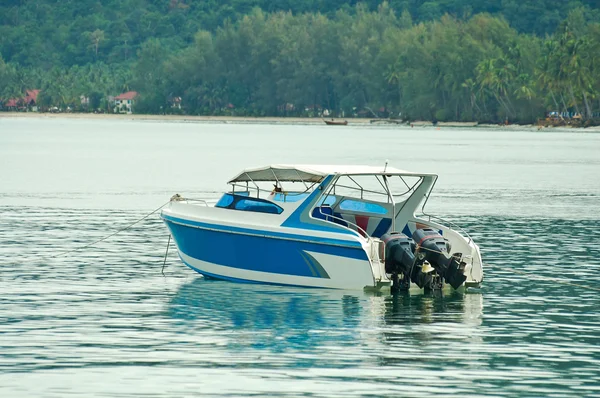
<point x="326" y="226"/>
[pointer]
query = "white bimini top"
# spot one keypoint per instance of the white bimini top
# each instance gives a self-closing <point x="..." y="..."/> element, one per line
<point x="315" y="173"/>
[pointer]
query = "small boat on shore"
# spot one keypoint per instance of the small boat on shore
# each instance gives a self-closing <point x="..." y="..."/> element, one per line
<point x="336" y="122"/>
<point x="344" y="227"/>
<point x="387" y="121"/>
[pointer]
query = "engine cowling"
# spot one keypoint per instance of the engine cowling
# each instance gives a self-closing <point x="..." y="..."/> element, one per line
<point x="406" y="256"/>
<point x="400" y="259"/>
<point x="435" y="249"/>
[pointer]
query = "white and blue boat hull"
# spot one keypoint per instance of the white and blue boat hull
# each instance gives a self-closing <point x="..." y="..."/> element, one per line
<point x="252" y="255"/>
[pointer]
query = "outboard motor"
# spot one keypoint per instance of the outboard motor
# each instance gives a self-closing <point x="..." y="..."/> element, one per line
<point x="400" y="260"/>
<point x="433" y="248"/>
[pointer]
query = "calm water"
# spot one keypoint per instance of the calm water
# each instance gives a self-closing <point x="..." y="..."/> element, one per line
<point x="104" y="322"/>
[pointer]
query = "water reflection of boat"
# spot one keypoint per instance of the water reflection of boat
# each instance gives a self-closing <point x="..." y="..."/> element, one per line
<point x="431" y="322"/>
<point x="332" y="226"/>
<point x="294" y="312"/>
<point x="261" y="306"/>
<point x="465" y="308"/>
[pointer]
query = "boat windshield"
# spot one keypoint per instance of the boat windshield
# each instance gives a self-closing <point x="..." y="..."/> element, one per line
<point x="366" y="204"/>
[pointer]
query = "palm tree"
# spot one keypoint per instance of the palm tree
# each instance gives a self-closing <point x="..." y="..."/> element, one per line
<point x="393" y="76"/>
<point x="470" y="85"/>
<point x="494" y="80"/>
<point x="96" y="37"/>
<point x="546" y="73"/>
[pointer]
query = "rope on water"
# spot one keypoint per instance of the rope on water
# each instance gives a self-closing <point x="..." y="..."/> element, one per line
<point x="162" y="271"/>
<point x="111" y="235"/>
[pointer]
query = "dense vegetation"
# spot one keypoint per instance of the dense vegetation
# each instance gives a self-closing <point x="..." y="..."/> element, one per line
<point x="423" y="59"/>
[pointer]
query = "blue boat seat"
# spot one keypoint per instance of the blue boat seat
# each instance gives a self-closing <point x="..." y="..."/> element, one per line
<point x="378" y="228"/>
<point x="322" y="212"/>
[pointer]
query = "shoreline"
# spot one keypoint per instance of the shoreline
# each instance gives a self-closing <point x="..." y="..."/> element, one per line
<point x="180" y="118"/>
<point x="274" y="120"/>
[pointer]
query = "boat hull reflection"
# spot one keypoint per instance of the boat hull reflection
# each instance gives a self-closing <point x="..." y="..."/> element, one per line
<point x="310" y="317"/>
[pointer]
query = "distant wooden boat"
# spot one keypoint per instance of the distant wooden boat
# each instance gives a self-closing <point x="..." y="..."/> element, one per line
<point x="335" y="123"/>
<point x="387" y="121"/>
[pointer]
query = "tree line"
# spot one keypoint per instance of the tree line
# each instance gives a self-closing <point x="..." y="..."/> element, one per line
<point x="48" y="33"/>
<point x="357" y="61"/>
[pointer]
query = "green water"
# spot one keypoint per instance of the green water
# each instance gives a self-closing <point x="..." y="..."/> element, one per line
<point x="104" y="322"/>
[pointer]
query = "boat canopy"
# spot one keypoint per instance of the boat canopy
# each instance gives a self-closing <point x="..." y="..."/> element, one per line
<point x="315" y="173"/>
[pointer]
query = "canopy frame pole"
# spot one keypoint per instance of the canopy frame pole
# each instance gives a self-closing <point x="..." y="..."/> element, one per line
<point x="302" y="179"/>
<point x="384" y="188"/>
<point x="276" y="180"/>
<point x="365" y="190"/>
<point x="416" y="184"/>
<point x="409" y="188"/>
<point x="391" y="198"/>
<point x="361" y="188"/>
<point x="255" y="184"/>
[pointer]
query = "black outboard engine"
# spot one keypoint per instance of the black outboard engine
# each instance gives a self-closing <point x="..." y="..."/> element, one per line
<point x="400" y="260"/>
<point x="433" y="248"/>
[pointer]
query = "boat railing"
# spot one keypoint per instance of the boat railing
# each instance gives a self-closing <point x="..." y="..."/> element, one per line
<point x="358" y="229"/>
<point x="449" y="223"/>
<point x="204" y="202"/>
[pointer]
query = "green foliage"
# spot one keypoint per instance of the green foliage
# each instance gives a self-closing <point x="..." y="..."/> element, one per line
<point x="449" y="60"/>
<point x="95" y="100"/>
<point x="47" y="33"/>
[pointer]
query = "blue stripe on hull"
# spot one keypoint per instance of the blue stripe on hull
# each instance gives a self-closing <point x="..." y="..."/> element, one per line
<point x="255" y="253"/>
<point x="230" y="279"/>
<point x="261" y="233"/>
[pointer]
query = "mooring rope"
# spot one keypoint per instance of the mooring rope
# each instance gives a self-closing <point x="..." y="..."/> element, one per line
<point x="162" y="271"/>
<point x="111" y="235"/>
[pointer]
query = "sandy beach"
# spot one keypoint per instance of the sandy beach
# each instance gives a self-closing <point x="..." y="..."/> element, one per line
<point x="270" y="120"/>
<point x="179" y="118"/>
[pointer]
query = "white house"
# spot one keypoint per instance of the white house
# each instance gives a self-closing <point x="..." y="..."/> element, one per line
<point x="124" y="102"/>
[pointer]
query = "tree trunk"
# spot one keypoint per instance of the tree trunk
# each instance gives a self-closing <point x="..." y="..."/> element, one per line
<point x="485" y="108"/>
<point x="554" y="99"/>
<point x="573" y="98"/>
<point x="456" y="113"/>
<point x="562" y="98"/>
<point x="587" y="106"/>
<point x="399" y="96"/>
<point x="501" y="102"/>
<point x="513" y="111"/>
<point x="477" y="106"/>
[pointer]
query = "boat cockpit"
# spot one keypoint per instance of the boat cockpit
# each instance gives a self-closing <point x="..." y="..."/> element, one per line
<point x="367" y="204"/>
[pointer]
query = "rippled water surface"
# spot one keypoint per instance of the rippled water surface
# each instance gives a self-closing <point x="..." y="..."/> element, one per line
<point x="104" y="322"/>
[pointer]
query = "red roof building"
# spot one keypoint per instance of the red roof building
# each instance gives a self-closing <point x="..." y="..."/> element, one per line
<point x="124" y="103"/>
<point x="126" y="96"/>
<point x="29" y="101"/>
<point x="31" y="96"/>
